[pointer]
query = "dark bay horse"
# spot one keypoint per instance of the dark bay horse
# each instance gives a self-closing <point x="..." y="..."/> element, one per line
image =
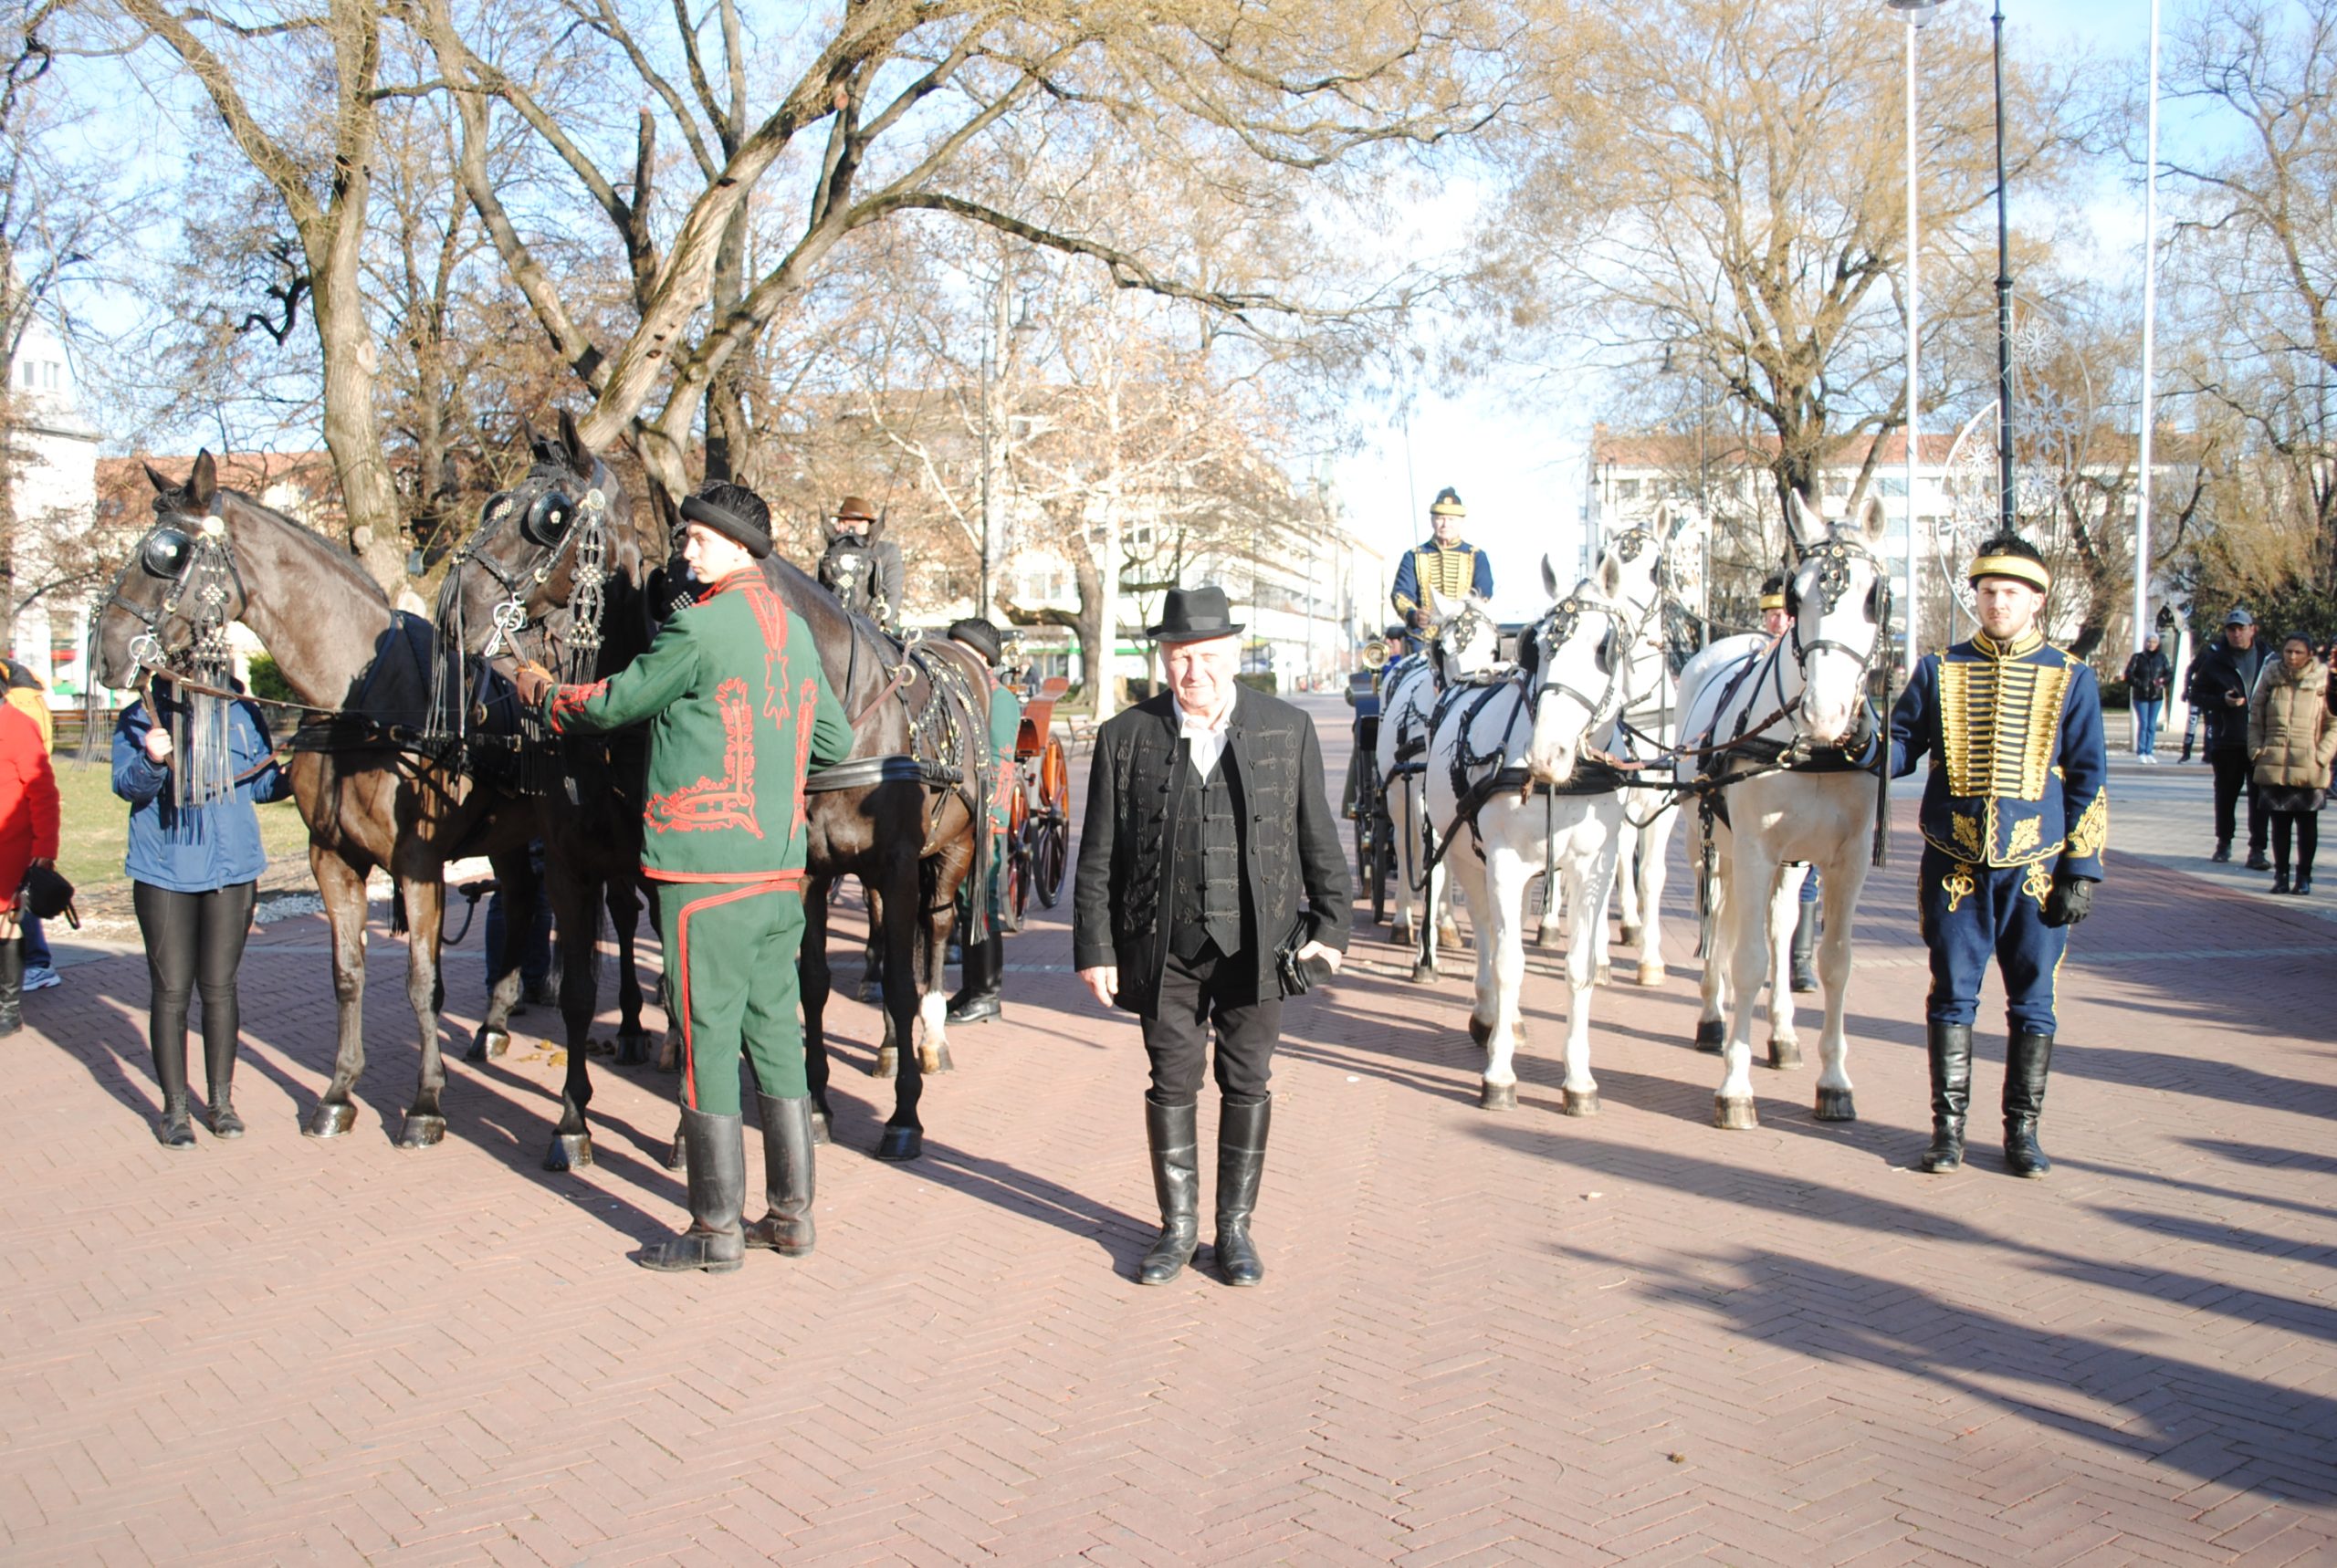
<point x="367" y="798"/>
<point x="570" y="518"/>
<point x="912" y="842"/>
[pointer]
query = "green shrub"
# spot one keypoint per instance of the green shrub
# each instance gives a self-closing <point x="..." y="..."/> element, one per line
<point x="1267" y="682"/>
<point x="268" y="681"/>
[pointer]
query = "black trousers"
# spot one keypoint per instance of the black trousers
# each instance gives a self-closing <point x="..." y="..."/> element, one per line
<point x="1196" y="993"/>
<point x="194" y="940"/>
<point x="2308" y="830"/>
<point x="2232" y="769"/>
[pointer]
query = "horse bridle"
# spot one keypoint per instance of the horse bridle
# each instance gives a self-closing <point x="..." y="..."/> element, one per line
<point x="207" y="588"/>
<point x="558" y="525"/>
<point x="1835" y="556"/>
<point x="1458" y="631"/>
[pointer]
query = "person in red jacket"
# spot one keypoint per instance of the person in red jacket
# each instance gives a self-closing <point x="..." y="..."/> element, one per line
<point x="28" y="829"/>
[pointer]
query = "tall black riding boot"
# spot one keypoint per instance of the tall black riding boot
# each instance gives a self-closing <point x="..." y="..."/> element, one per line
<point x="2027" y="1059"/>
<point x="787" y="1176"/>
<point x="979" y="1000"/>
<point x="1805" y="945"/>
<point x="1174" y="1137"/>
<point x="1241" y="1162"/>
<point x="12" y="985"/>
<point x="716" y="1241"/>
<point x="1951" y="1054"/>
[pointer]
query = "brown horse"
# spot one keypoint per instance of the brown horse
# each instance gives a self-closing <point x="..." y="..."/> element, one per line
<point x="369" y="798"/>
<point x="876" y="817"/>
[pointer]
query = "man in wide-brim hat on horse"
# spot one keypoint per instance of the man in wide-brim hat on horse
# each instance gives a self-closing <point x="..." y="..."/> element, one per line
<point x="1207" y="854"/>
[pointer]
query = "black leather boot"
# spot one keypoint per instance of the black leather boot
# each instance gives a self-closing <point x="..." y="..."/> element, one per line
<point x="176" y="1129"/>
<point x="979" y="1001"/>
<point x="2280" y="880"/>
<point x="12" y="987"/>
<point x="1173" y="1135"/>
<point x="1805" y="945"/>
<point x="716" y="1241"/>
<point x="1951" y="1054"/>
<point x="2027" y="1059"/>
<point x="2223" y="852"/>
<point x="2256" y="860"/>
<point x="225" y="1122"/>
<point x="1241" y="1162"/>
<point x="787" y="1174"/>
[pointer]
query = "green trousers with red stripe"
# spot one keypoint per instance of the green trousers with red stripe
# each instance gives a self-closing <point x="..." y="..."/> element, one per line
<point x="730" y="981"/>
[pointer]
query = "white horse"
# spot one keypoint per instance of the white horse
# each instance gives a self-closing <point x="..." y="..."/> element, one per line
<point x="1464" y="645"/>
<point x="1651" y="723"/>
<point x="1502" y="782"/>
<point x="1750" y="704"/>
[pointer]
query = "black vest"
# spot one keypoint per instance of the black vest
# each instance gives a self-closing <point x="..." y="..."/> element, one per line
<point x="1211" y="895"/>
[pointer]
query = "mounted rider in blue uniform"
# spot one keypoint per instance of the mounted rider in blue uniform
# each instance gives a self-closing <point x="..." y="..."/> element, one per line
<point x="2014" y="816"/>
<point x="1444" y="562"/>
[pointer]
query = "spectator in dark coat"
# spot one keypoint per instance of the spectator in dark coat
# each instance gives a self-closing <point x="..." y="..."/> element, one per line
<point x="2221" y="681"/>
<point x="2147" y="673"/>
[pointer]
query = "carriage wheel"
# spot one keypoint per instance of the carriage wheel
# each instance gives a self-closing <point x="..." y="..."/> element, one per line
<point x="1054" y="781"/>
<point x="1050" y="852"/>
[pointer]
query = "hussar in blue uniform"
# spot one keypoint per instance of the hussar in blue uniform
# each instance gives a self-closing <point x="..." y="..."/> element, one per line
<point x="2014" y="821"/>
<point x="1444" y="562"/>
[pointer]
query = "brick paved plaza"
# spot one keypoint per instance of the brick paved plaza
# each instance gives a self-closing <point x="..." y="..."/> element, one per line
<point x="1482" y="1337"/>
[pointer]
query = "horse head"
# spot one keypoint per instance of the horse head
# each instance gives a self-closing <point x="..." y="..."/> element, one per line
<point x="1465" y="641"/>
<point x="1839" y="598"/>
<point x="543" y="554"/>
<point x="1576" y="661"/>
<point x="180" y="584"/>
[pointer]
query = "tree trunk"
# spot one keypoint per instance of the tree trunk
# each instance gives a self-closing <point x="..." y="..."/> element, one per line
<point x="369" y="496"/>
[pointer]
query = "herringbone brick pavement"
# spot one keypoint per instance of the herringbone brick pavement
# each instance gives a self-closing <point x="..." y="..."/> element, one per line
<point x="1483" y="1337"/>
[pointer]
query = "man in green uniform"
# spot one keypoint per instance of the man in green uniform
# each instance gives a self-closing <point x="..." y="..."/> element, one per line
<point x="737" y="707"/>
<point x="985" y="939"/>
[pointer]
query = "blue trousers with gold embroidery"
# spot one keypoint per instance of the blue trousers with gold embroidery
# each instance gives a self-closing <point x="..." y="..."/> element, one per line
<point x="1972" y="915"/>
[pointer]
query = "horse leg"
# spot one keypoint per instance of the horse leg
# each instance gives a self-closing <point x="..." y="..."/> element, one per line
<point x="933" y="980"/>
<point x="1785" y="909"/>
<point x="623" y="901"/>
<point x="425" y="897"/>
<point x="1753" y="874"/>
<point x="818" y="982"/>
<point x="1630" y="914"/>
<point x="1711" y="1023"/>
<point x="1503" y="934"/>
<point x="1603" y="972"/>
<point x="904" y="1135"/>
<point x="1428" y="932"/>
<point x="516" y="880"/>
<point x="1439" y="906"/>
<point x="1654" y="874"/>
<point x="872" y="952"/>
<point x="342" y="888"/>
<point x="575" y="906"/>
<point x="1838" y="900"/>
<point x="1587" y="890"/>
<point x="1469" y="874"/>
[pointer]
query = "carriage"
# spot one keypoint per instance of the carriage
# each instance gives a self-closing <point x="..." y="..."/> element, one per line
<point x="1038" y="829"/>
<point x="1367" y="800"/>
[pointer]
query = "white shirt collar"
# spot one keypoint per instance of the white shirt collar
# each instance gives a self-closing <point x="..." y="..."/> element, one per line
<point x="1207" y="736"/>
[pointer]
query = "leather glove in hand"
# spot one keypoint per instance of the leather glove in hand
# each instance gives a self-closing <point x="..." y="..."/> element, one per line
<point x="2070" y="901"/>
<point x="531" y="681"/>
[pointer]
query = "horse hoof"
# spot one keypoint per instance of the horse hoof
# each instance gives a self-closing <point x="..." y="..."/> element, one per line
<point x="1785" y="1052"/>
<point x="822" y="1131"/>
<point x="1480" y="1031"/>
<point x="1835" y="1105"/>
<point x="1497" y="1097"/>
<point x="1581" y="1102"/>
<point x="1549" y="936"/>
<point x="870" y="991"/>
<point x="1603" y="976"/>
<point x="888" y="1061"/>
<point x="1712" y="1034"/>
<point x="569" y="1152"/>
<point x="488" y="1044"/>
<point x="1423" y="974"/>
<point x="1400" y="937"/>
<point x="331" y="1119"/>
<point x="1651" y="974"/>
<point x="422" y="1131"/>
<point x="1449" y="934"/>
<point x="936" y="1057"/>
<point x="632" y="1048"/>
<point x="901" y="1145"/>
<point x="1630" y="935"/>
<point x="1735" y="1115"/>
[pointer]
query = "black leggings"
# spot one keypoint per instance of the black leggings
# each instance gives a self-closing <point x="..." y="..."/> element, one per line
<point x="2308" y="825"/>
<point x="193" y="939"/>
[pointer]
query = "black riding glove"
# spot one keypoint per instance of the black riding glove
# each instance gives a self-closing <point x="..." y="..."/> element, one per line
<point x="2070" y="901"/>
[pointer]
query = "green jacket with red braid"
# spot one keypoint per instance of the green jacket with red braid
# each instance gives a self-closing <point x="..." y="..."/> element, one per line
<point x="739" y="707"/>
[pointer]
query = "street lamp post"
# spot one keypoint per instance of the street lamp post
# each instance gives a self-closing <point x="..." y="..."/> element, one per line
<point x="2004" y="294"/>
<point x="1917" y="12"/>
<point x="2149" y="310"/>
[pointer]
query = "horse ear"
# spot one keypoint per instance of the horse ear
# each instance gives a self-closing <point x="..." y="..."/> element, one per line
<point x="1802" y="523"/>
<point x="579" y="457"/>
<point x="1873" y="521"/>
<point x="203" y="484"/>
<point x="164" y="483"/>
<point x="1611" y="575"/>
<point x="1549" y="577"/>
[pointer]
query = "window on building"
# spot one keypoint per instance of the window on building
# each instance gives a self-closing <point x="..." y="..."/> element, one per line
<point x="1627" y="489"/>
<point x="1890" y="486"/>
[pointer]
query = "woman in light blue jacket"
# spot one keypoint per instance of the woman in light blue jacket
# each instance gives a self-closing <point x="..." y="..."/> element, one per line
<point x="194" y="869"/>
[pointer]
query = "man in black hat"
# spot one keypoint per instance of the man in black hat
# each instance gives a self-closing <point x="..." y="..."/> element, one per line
<point x="1444" y="562"/>
<point x="858" y="548"/>
<point x="2221" y="680"/>
<point x="1207" y="851"/>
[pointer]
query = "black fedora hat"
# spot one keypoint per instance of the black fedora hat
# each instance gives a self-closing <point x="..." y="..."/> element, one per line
<point x="1191" y="614"/>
